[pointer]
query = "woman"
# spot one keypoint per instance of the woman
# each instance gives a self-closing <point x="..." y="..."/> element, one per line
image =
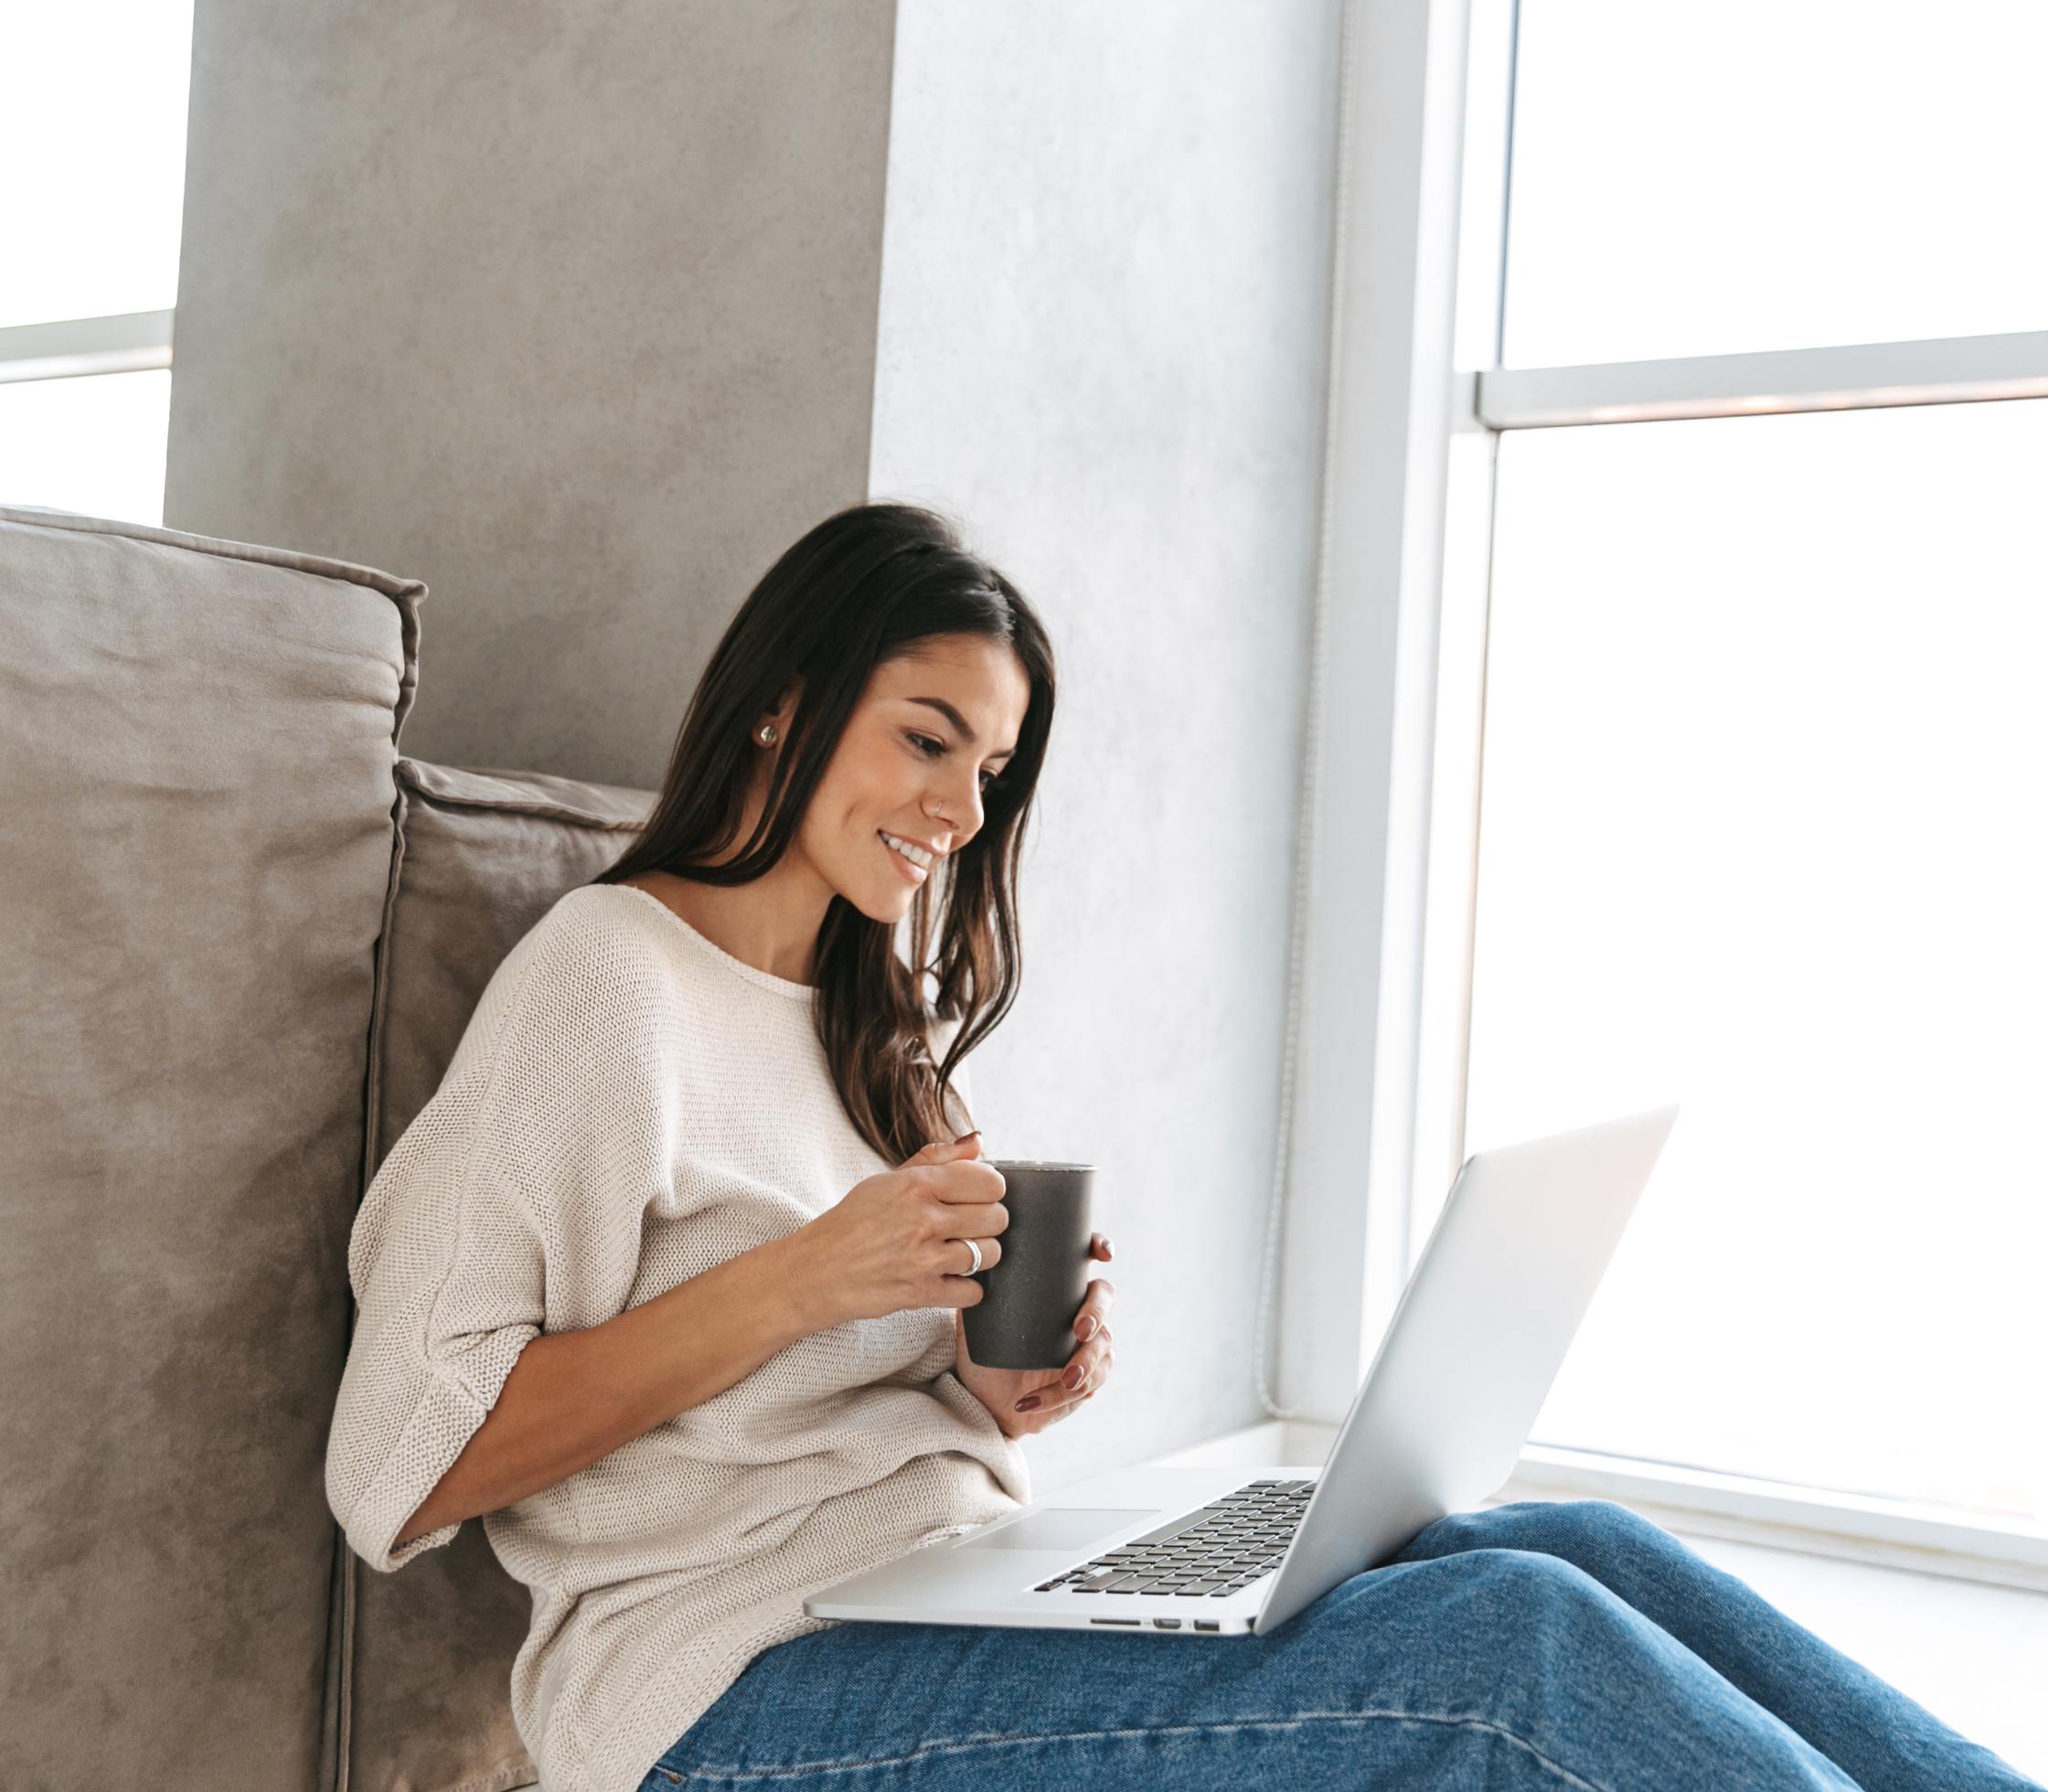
<point x="667" y="1283"/>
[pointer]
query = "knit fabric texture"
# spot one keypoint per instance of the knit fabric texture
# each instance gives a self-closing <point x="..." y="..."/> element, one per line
<point x="630" y="1106"/>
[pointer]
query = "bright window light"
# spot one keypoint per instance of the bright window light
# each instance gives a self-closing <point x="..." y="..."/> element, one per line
<point x="1764" y="831"/>
<point x="93" y="119"/>
<point x="94" y="445"/>
<point x="1773" y="173"/>
<point x="93" y="102"/>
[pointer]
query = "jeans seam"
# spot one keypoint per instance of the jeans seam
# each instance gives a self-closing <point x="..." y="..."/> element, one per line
<point x="994" y="1740"/>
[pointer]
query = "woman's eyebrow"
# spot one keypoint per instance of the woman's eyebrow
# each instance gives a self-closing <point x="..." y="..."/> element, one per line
<point x="957" y="719"/>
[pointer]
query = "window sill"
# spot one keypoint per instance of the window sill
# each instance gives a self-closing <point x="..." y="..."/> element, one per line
<point x="1973" y="1653"/>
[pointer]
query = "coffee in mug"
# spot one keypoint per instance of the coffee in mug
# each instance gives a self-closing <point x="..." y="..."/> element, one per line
<point x="1032" y="1297"/>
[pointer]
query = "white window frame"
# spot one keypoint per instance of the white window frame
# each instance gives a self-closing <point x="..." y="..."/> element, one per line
<point x="1384" y="954"/>
<point x="132" y="342"/>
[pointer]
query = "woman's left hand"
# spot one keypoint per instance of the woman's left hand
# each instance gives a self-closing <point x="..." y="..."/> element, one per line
<point x="1048" y="1395"/>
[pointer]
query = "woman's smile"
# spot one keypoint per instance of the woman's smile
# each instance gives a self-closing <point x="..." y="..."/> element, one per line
<point x="913" y="873"/>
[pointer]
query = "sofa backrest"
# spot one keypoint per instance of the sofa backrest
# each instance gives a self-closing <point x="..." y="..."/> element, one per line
<point x="427" y="1650"/>
<point x="198" y="740"/>
<point x="242" y="938"/>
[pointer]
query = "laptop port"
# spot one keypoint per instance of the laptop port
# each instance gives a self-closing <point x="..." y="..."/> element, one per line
<point x="1166" y="1624"/>
<point x="1207" y="1623"/>
<point x="1134" y="1622"/>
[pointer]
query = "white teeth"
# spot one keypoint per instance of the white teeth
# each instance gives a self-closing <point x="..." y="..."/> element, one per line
<point x="916" y="855"/>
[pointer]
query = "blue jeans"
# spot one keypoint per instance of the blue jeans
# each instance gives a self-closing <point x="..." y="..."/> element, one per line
<point x="1537" y="1644"/>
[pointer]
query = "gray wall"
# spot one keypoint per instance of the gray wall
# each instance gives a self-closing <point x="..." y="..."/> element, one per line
<point x="568" y="310"/>
<point x="583" y="319"/>
<point x="1106" y="280"/>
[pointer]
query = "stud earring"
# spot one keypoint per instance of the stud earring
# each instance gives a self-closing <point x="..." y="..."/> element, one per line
<point x="768" y="734"/>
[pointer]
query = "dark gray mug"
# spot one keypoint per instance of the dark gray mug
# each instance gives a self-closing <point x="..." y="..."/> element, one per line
<point x="1032" y="1297"/>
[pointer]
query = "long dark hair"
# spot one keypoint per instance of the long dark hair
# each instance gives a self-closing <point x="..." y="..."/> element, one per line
<point x="864" y="585"/>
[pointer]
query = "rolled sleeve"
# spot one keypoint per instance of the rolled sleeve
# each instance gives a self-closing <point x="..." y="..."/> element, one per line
<point x="372" y="1510"/>
<point x="448" y="1266"/>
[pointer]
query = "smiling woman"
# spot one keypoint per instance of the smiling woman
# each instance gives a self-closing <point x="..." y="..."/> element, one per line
<point x="863" y="747"/>
<point x="665" y="1281"/>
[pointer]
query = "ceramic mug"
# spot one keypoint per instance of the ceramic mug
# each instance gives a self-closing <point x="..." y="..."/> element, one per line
<point x="1032" y="1297"/>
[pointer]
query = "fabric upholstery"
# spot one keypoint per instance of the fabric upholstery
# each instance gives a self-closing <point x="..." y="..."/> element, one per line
<point x="197" y="748"/>
<point x="482" y="856"/>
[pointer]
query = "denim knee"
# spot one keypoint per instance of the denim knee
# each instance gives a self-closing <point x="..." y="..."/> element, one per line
<point x="1508" y="1621"/>
<point x="1534" y="1577"/>
<point x="1505" y="1594"/>
<point x="1606" y="1519"/>
<point x="1542" y="1524"/>
<point x="1599" y="1535"/>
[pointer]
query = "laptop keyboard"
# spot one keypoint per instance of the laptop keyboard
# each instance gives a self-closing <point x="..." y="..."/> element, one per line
<point x="1213" y="1550"/>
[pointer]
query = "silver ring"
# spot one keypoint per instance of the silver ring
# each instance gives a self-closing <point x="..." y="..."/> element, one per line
<point x="974" y="1268"/>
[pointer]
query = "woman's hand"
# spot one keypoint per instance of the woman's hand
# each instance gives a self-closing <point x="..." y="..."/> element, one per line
<point x="892" y="1241"/>
<point x="1047" y="1395"/>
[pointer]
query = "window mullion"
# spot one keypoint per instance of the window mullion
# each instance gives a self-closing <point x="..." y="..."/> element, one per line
<point x="1839" y="377"/>
<point x="129" y="343"/>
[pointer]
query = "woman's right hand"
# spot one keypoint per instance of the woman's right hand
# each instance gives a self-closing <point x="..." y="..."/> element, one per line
<point x="893" y="1241"/>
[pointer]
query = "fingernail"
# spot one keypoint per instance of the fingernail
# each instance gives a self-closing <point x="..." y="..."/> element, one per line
<point x="1109" y="1249"/>
<point x="1074" y="1377"/>
<point x="1086" y="1329"/>
<point x="965" y="1136"/>
<point x="1029" y="1403"/>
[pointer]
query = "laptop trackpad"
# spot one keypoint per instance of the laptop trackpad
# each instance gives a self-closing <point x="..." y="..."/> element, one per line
<point x="1058" y="1527"/>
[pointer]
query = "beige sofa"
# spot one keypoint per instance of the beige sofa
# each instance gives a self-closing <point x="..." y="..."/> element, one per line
<point x="242" y="936"/>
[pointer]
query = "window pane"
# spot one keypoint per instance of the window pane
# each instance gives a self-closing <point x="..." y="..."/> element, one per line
<point x="92" y="97"/>
<point x="93" y="445"/>
<point x="1773" y="173"/>
<point x="1764" y="831"/>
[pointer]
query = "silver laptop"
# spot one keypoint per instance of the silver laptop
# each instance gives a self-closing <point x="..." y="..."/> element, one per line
<point x="1437" y="1425"/>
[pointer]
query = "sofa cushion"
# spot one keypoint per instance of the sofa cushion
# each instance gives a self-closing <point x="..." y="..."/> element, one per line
<point x="197" y="745"/>
<point x="483" y="855"/>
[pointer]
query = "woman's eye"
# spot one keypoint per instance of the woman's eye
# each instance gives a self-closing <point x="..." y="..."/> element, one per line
<point x="938" y="747"/>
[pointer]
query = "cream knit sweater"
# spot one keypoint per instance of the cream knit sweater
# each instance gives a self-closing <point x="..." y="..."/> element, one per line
<point x="630" y="1106"/>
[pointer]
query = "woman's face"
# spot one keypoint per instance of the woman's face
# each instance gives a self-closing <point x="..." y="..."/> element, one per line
<point x="906" y="767"/>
